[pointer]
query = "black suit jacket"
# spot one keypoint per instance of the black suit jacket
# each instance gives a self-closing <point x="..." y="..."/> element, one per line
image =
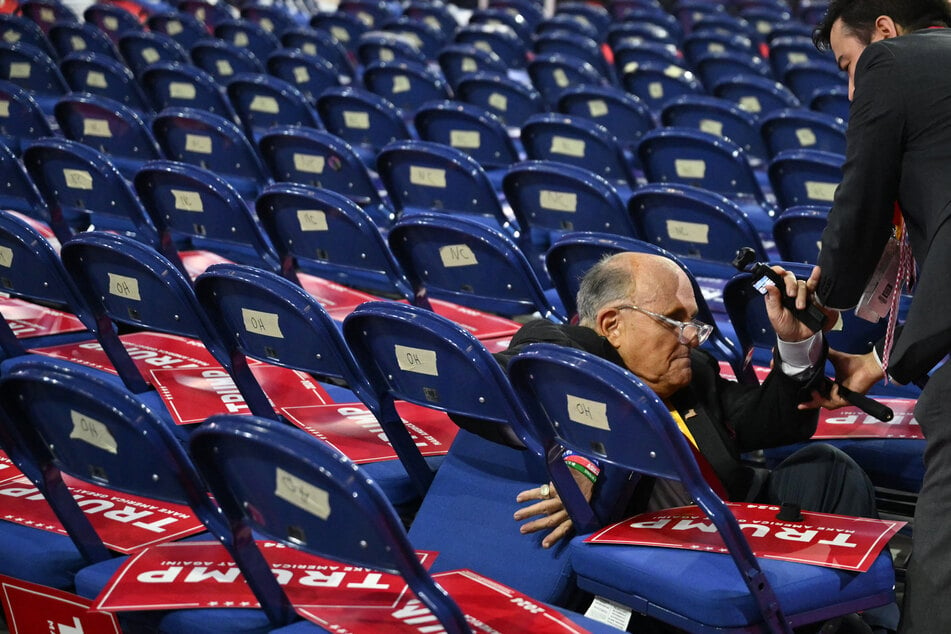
<point x="898" y="149"/>
<point x="724" y="417"/>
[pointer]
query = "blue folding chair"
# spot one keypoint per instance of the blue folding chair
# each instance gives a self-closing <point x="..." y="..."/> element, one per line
<point x="522" y="25"/>
<point x="81" y="37"/>
<point x="512" y="101"/>
<point x="194" y="209"/>
<point x="469" y="128"/>
<point x="712" y="68"/>
<point x="579" y="141"/>
<point x="18" y="28"/>
<point x="798" y="233"/>
<point x="21" y="119"/>
<point x="248" y="35"/>
<point x="802" y="129"/>
<point x="552" y="73"/>
<point x="373" y="13"/>
<point x="264" y="102"/>
<point x="806" y="79"/>
<point x="531" y="12"/>
<point x="631" y="52"/>
<point x="718" y="117"/>
<point x="46" y="13"/>
<point x="426" y="176"/>
<point x="597" y="17"/>
<point x="703" y="228"/>
<point x="19" y="193"/>
<point x="378" y="46"/>
<point x="320" y="43"/>
<point x="113" y="20"/>
<point x="207" y="13"/>
<point x="109" y="127"/>
<point x="788" y="50"/>
<point x="636" y="432"/>
<point x="498" y="38"/>
<point x="805" y="177"/>
<point x="459" y="60"/>
<point x="34" y="71"/>
<point x="757" y="95"/>
<point x="311" y="75"/>
<point x="634" y="32"/>
<point x="487" y="464"/>
<point x="139" y="49"/>
<point x="346" y="29"/>
<point x="82" y="187"/>
<point x="624" y="115"/>
<point x="362" y="118"/>
<point x="106" y="77"/>
<point x="436" y="15"/>
<point x="574" y="253"/>
<point x="33" y="272"/>
<point x="715" y="42"/>
<point x="41" y="403"/>
<point x="211" y="142"/>
<point x="701" y="159"/>
<point x="468" y="263"/>
<point x="834" y="101"/>
<point x="575" y="45"/>
<point x="324" y="233"/>
<point x="657" y="84"/>
<point x="425" y="38"/>
<point x="173" y="85"/>
<point x="223" y="60"/>
<point x="405" y="84"/>
<point x="182" y="27"/>
<point x="274" y="19"/>
<point x="302" y="336"/>
<point x="321" y="159"/>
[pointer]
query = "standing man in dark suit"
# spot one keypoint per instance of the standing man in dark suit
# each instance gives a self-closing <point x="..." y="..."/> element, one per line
<point x="896" y="185"/>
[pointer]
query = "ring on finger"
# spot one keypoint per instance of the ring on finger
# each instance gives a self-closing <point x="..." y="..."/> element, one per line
<point x="545" y="491"/>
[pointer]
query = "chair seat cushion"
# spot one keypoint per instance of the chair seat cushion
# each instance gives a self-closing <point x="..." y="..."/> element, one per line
<point x="707" y="587"/>
<point x="38" y="556"/>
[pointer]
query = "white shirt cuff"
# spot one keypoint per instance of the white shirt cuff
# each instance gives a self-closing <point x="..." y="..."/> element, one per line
<point x="799" y="356"/>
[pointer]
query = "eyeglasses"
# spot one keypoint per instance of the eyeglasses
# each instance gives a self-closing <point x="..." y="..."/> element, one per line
<point x="686" y="330"/>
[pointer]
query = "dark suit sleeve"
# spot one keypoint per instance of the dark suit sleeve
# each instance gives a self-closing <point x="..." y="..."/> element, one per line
<point x="861" y="217"/>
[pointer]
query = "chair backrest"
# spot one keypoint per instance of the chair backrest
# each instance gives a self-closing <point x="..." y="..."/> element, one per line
<point x="698" y="44"/>
<point x="459" y="60"/>
<point x="324" y="233"/>
<point x="405" y="84"/>
<point x="113" y="20"/>
<point x="19" y="192"/>
<point x="421" y="175"/>
<point x="802" y="129"/>
<point x="264" y="102"/>
<point x="552" y="197"/>
<point x="712" y="68"/>
<point x="436" y="16"/>
<point x="223" y="60"/>
<point x="373" y="13"/>
<point x="214" y="143"/>
<point x="630" y="52"/>
<point x="469" y="128"/>
<point x="834" y="101"/>
<point x="786" y="51"/>
<point x="699" y="159"/>
<point x="208" y="14"/>
<point x="805" y="79"/>
<point x="577" y="141"/>
<point x="311" y="75"/>
<point x="18" y="28"/>
<point x="102" y="435"/>
<point x="656" y="84"/>
<point x="805" y="177"/>
<point x="468" y="263"/>
<point x="344" y="28"/>
<point x="320" y="43"/>
<point x="573" y="254"/>
<point x="142" y="48"/>
<point x="104" y="76"/>
<point x="46" y="13"/>
<point x="248" y="35"/>
<point x="591" y="406"/>
<point x="380" y="46"/>
<point x="126" y="282"/>
<point x="196" y="206"/>
<point x="81" y="186"/>
<point x="552" y="73"/>
<point x="361" y="117"/>
<point x="81" y="37"/>
<point x="253" y="463"/>
<point x="21" y="119"/>
<point x="169" y="84"/>
<point x="798" y="233"/>
<point x="702" y="227"/>
<point x="34" y="71"/>
<point x="498" y="38"/>
<point x="110" y="127"/>
<point x="321" y="159"/>
<point x="718" y="117"/>
<point x="512" y="101"/>
<point x="624" y="115"/>
<point x="274" y="19"/>
<point x="575" y="45"/>
<point x="757" y="95"/>
<point x="182" y="27"/>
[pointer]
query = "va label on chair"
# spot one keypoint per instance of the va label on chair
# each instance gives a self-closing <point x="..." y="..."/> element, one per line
<point x="34" y="608"/>
<point x="185" y="575"/>
<point x="835" y="541"/>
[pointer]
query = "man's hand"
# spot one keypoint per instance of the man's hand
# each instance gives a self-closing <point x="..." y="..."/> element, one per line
<point x="858" y="372"/>
<point x="784" y="322"/>
<point x="551" y="509"/>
